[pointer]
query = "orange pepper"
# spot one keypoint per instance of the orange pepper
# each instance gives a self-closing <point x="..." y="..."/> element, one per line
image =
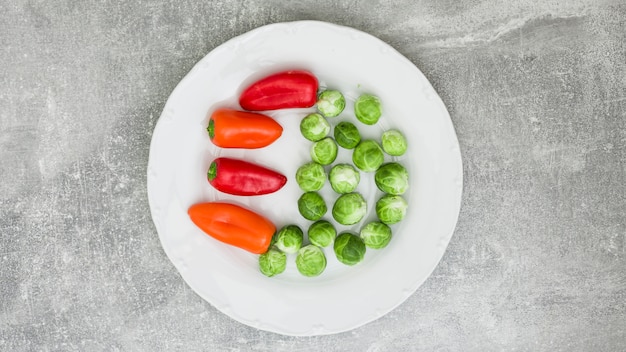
<point x="233" y="225"/>
<point x="230" y="128"/>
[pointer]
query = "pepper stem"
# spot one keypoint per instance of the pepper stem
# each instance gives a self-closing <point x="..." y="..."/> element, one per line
<point x="211" y="129"/>
<point x="212" y="173"/>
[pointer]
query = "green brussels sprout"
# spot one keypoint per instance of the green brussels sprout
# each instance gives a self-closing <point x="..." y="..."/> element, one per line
<point x="393" y="142"/>
<point x="314" y="127"/>
<point x="322" y="233"/>
<point x="331" y="103"/>
<point x="311" y="176"/>
<point x="289" y="239"/>
<point x="391" y="209"/>
<point x="367" y="109"/>
<point x="324" y="151"/>
<point x="376" y="235"/>
<point x="347" y="135"/>
<point x="349" y="248"/>
<point x="349" y="208"/>
<point x="310" y="261"/>
<point x="272" y="262"/>
<point x="368" y="156"/>
<point x="312" y="206"/>
<point x="392" y="178"/>
<point x="344" y="178"/>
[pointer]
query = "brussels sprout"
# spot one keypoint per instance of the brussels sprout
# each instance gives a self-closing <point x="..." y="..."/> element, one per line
<point x="324" y="151"/>
<point x="331" y="103"/>
<point x="310" y="261"/>
<point x="312" y="206"/>
<point x="347" y="135"/>
<point x="314" y="127"/>
<point x="349" y="208"/>
<point x="392" y="178"/>
<point x="349" y="248"/>
<point x="289" y="239"/>
<point x="368" y="156"/>
<point x="376" y="235"/>
<point x="344" y="178"/>
<point x="311" y="177"/>
<point x="272" y="262"/>
<point x="391" y="209"/>
<point x="367" y="109"/>
<point x="393" y="142"/>
<point x="322" y="233"/>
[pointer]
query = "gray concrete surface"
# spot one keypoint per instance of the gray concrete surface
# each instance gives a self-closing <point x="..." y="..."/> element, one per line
<point x="536" y="91"/>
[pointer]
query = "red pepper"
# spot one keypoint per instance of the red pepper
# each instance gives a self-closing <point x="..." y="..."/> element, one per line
<point x="242" y="178"/>
<point x="283" y="90"/>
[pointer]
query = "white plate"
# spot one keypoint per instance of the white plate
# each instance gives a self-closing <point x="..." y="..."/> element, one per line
<point x="343" y="297"/>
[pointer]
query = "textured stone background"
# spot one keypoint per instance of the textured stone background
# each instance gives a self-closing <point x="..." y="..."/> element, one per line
<point x="536" y="91"/>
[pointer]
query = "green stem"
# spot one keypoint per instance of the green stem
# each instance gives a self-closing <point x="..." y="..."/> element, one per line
<point x="212" y="173"/>
<point x="211" y="129"/>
